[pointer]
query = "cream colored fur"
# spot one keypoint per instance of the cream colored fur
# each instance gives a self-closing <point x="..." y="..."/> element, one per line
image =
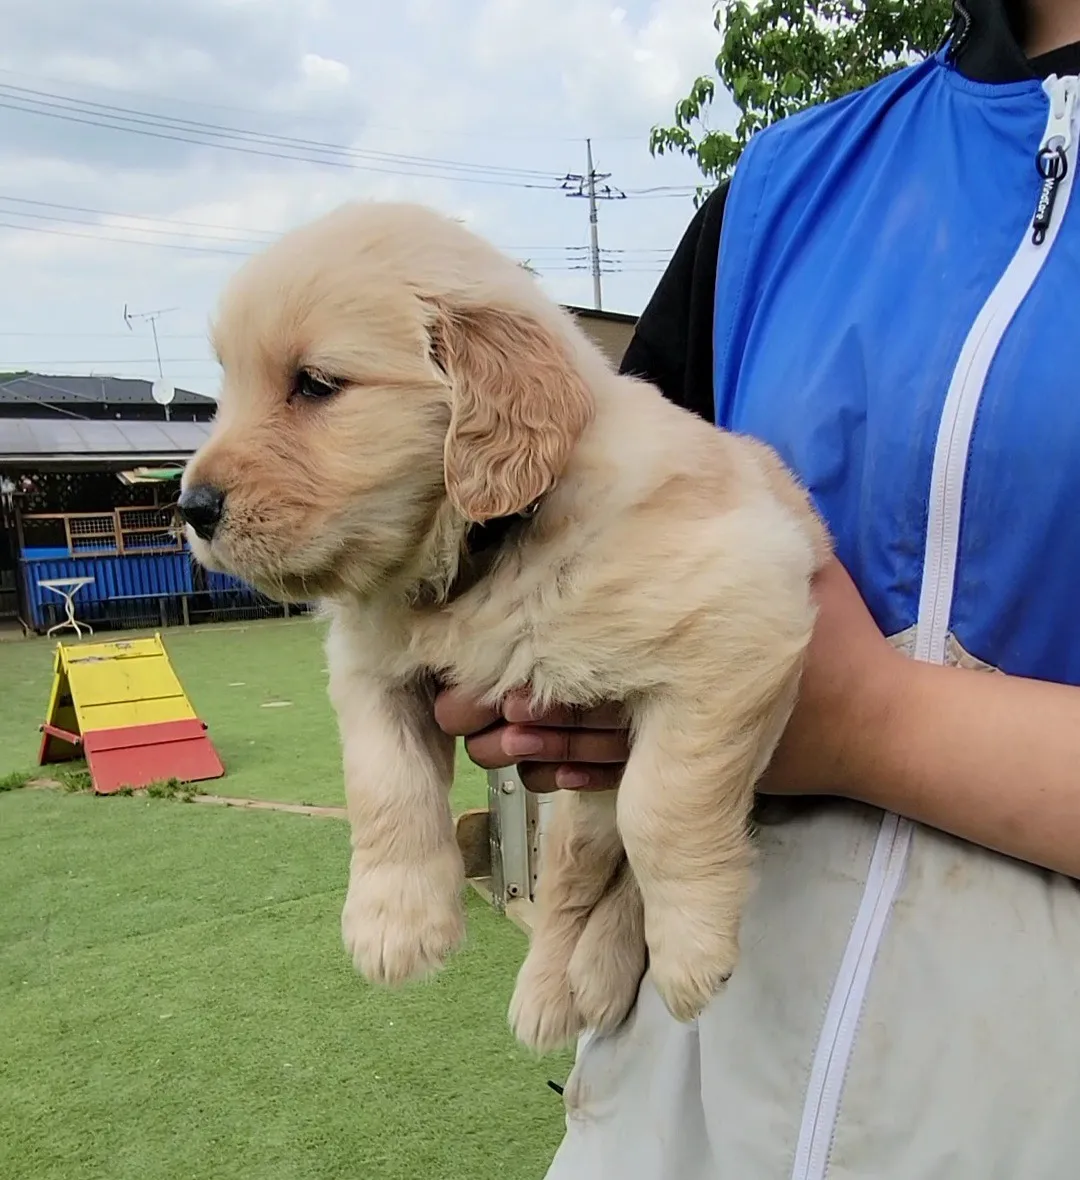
<point x="668" y="567"/>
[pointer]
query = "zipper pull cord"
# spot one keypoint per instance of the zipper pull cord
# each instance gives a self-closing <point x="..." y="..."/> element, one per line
<point x="1053" y="166"/>
<point x="1052" y="160"/>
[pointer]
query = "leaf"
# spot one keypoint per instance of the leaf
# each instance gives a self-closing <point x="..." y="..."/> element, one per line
<point x="791" y="85"/>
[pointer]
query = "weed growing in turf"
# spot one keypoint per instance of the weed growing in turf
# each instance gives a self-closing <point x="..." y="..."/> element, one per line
<point x="16" y="780"/>
<point x="75" y="780"/>
<point x="172" y="788"/>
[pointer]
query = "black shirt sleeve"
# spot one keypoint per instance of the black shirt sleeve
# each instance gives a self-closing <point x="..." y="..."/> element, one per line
<point x="672" y="345"/>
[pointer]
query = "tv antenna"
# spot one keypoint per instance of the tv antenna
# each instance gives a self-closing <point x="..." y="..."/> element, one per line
<point x="162" y="391"/>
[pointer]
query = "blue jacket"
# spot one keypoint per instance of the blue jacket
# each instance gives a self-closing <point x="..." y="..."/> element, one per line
<point x="886" y="319"/>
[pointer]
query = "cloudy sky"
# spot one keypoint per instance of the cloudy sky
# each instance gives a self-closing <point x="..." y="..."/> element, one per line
<point x="147" y="146"/>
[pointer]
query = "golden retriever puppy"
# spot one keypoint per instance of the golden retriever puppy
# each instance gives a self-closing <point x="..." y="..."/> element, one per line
<point x="411" y="432"/>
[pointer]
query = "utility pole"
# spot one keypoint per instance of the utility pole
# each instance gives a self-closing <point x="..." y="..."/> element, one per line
<point x="586" y="186"/>
<point x="594" y="228"/>
<point x="153" y="317"/>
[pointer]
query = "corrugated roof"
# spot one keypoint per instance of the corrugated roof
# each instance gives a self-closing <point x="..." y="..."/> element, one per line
<point x="69" y="440"/>
<point x="70" y="390"/>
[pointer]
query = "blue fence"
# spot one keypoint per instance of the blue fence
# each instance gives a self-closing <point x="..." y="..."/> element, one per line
<point x="135" y="590"/>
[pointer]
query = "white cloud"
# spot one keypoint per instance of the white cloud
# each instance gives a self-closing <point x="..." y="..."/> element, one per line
<point x="324" y="72"/>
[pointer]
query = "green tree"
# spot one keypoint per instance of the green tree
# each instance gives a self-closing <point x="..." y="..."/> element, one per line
<point x="779" y="56"/>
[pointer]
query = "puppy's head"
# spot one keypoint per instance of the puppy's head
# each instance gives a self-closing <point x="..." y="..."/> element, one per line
<point x="385" y="371"/>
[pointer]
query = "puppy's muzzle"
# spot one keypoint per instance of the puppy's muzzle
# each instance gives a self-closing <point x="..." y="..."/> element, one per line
<point x="202" y="507"/>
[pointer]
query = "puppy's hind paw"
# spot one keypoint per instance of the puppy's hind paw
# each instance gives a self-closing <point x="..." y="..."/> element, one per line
<point x="609" y="960"/>
<point x="543" y="1015"/>
<point x="689" y="963"/>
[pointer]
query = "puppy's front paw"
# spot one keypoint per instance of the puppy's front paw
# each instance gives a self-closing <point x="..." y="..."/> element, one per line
<point x="400" y="922"/>
<point x="609" y="960"/>
<point x="542" y="1012"/>
<point x="690" y="961"/>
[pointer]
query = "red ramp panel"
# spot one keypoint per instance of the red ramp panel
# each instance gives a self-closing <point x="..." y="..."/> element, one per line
<point x="137" y="755"/>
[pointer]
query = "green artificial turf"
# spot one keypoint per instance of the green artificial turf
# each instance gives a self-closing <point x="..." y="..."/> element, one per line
<point x="175" y="1001"/>
<point x="260" y="688"/>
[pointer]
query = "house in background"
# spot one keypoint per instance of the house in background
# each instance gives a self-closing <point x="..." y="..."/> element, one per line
<point x="31" y="395"/>
<point x="609" y="330"/>
<point x="89" y="476"/>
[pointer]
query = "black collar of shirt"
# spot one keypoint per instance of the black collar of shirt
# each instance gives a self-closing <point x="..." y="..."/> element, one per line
<point x="986" y="37"/>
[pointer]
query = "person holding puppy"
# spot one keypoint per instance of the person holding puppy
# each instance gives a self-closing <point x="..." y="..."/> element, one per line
<point x="891" y="305"/>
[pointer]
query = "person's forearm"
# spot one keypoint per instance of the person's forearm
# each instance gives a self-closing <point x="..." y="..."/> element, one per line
<point x="990" y="758"/>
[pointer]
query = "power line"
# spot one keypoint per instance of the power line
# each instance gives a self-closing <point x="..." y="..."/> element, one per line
<point x="681" y="190"/>
<point x="550" y="265"/>
<point x="139" y="229"/>
<point x="131" y="114"/>
<point x="260" y="238"/>
<point x="476" y="133"/>
<point x="44" y="229"/>
<point x="95" y="336"/>
<point x="256" y="237"/>
<point x="13" y="366"/>
<point x="326" y="162"/>
<point x="680" y="194"/>
<point x="108" y="116"/>
<point x="263" y="237"/>
<point x="83" y="112"/>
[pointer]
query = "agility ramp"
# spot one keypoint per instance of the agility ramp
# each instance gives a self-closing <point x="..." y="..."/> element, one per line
<point x="122" y="707"/>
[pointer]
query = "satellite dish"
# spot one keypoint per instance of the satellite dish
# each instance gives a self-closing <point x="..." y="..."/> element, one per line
<point x="162" y="391"/>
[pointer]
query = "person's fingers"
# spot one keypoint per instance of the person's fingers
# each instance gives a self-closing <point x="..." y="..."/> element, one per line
<point x="486" y="749"/>
<point x="459" y="714"/>
<point x="534" y="744"/>
<point x="505" y="745"/>
<point x="518" y="710"/>
<point x="544" y="777"/>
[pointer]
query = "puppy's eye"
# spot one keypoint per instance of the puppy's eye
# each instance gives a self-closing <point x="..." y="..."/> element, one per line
<point x="313" y="386"/>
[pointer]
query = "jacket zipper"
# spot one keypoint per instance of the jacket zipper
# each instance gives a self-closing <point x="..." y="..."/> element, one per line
<point x="969" y="377"/>
<point x="1056" y="164"/>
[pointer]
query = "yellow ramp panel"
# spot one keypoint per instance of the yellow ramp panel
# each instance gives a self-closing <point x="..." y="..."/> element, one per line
<point x="121" y="713"/>
<point x="129" y="682"/>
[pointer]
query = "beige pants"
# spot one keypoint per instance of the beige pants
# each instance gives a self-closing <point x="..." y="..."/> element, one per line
<point x="907" y="1007"/>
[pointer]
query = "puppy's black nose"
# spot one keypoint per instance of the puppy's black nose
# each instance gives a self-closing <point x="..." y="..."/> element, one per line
<point x="201" y="507"/>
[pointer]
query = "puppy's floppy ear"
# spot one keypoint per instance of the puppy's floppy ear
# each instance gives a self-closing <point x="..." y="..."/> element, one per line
<point x="517" y="407"/>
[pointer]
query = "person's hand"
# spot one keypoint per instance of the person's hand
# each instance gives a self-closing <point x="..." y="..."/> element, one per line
<point x="563" y="749"/>
<point x="853" y="685"/>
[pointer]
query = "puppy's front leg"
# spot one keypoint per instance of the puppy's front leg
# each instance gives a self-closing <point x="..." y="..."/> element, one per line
<point x="403" y="912"/>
